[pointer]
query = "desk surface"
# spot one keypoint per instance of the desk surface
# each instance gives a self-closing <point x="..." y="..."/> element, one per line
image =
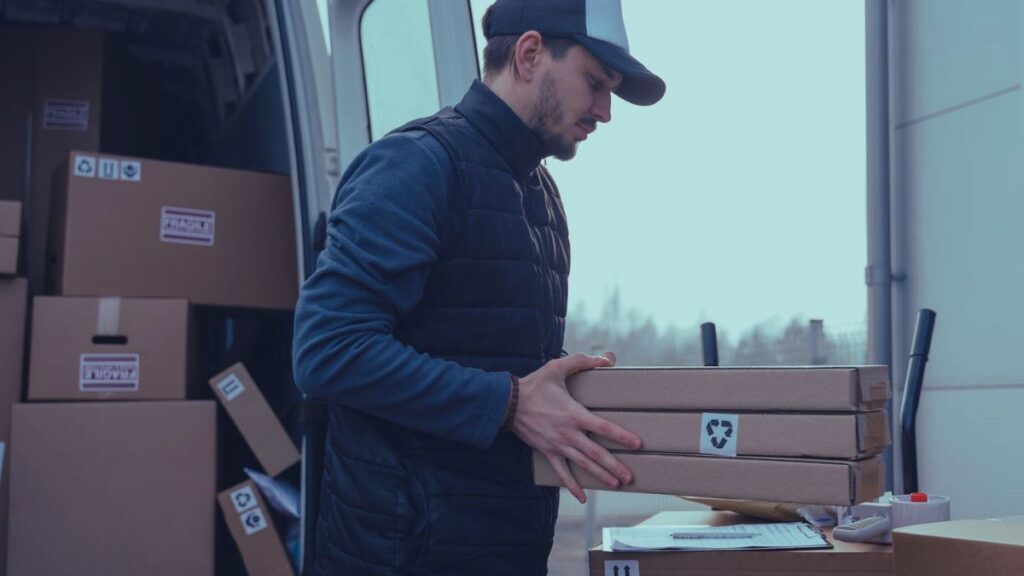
<point x="844" y="558"/>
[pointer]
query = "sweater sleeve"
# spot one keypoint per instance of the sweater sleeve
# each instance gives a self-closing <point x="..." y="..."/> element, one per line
<point x="383" y="238"/>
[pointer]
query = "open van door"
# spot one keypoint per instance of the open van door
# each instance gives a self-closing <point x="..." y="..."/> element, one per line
<point x="351" y="71"/>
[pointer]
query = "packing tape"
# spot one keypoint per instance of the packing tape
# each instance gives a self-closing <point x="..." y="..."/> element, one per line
<point x="108" y="321"/>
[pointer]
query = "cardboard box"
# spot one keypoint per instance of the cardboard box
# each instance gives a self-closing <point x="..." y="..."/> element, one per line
<point x="113" y="488"/>
<point x="10" y="219"/>
<point x="159" y="229"/>
<point x="109" y="349"/>
<point x="247" y="517"/>
<point x="13" y="302"/>
<point x="818" y="388"/>
<point x="843" y="558"/>
<point x="10" y="230"/>
<point x="8" y="256"/>
<point x="837" y="482"/>
<point x="989" y="547"/>
<point x="254" y="418"/>
<point x="848" y="436"/>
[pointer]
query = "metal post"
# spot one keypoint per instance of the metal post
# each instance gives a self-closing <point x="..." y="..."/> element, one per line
<point x="877" y="275"/>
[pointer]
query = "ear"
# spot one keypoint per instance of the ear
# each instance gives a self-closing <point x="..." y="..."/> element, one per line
<point x="527" y="55"/>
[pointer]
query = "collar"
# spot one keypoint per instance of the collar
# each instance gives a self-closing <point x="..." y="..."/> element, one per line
<point x="520" y="147"/>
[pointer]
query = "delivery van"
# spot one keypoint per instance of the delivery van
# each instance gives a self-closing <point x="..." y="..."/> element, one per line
<point x="119" y="117"/>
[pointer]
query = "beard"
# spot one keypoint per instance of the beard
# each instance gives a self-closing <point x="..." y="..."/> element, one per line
<point x="547" y="112"/>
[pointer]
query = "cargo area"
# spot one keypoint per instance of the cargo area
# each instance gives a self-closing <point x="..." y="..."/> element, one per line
<point x="121" y="312"/>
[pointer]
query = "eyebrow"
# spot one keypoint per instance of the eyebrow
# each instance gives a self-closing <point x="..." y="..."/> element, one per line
<point x="610" y="74"/>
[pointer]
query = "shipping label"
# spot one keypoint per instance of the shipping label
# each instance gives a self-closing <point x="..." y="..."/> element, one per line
<point x="65" y="114"/>
<point x="719" y="434"/>
<point x="230" y="387"/>
<point x="187" y="226"/>
<point x="108" y="373"/>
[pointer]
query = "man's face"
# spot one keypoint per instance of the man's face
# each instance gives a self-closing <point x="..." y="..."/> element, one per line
<point x="573" y="95"/>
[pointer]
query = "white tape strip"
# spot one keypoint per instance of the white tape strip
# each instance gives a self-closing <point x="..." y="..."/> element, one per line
<point x="108" y="322"/>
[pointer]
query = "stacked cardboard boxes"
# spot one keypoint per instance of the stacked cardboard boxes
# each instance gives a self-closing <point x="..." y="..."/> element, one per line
<point x="781" y="434"/>
<point x="10" y="232"/>
<point x="113" y="461"/>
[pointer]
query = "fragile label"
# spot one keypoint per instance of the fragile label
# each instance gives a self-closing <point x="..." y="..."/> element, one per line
<point x="108" y="373"/>
<point x="85" y="166"/>
<point x="243" y="499"/>
<point x="110" y="169"/>
<point x="230" y="387"/>
<point x="187" y="226"/>
<point x="66" y="114"/>
<point x="253" y="521"/>
<point x="621" y="568"/>
<point x="719" y="434"/>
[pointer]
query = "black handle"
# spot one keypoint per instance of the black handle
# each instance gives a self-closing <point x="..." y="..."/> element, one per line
<point x="912" y="395"/>
<point x="709" y="343"/>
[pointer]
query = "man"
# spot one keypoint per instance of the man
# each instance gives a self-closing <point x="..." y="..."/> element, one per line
<point x="434" y="322"/>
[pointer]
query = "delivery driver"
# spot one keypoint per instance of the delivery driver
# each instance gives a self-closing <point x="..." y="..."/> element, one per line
<point x="433" y="324"/>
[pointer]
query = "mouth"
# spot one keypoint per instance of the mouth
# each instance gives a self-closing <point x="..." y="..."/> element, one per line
<point x="585" y="130"/>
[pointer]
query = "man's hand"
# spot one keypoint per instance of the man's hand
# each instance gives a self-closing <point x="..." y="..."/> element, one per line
<point x="554" y="424"/>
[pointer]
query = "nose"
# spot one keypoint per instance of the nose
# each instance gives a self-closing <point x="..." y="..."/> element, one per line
<point x="602" y="108"/>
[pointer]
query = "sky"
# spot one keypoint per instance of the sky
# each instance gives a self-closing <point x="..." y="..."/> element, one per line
<point x="739" y="198"/>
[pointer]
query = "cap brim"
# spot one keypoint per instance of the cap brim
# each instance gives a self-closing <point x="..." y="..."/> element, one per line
<point x="639" y="85"/>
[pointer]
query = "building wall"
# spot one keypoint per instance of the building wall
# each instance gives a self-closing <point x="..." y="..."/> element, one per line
<point x="958" y="231"/>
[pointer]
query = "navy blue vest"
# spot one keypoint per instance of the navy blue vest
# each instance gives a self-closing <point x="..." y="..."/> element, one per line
<point x="397" y="501"/>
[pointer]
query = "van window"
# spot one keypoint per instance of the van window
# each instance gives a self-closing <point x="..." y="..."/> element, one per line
<point x="398" y="58"/>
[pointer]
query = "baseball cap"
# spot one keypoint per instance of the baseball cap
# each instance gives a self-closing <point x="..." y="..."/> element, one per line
<point x="596" y="25"/>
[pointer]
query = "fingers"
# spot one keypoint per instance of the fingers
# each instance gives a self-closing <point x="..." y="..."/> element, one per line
<point x="565" y="475"/>
<point x="580" y="362"/>
<point x="600" y="463"/>
<point x="610" y="355"/>
<point x="611" y="431"/>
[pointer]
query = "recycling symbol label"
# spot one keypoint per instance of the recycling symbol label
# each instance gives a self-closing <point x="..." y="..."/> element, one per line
<point x="719" y="434"/>
<point x="253" y="521"/>
<point x="243" y="499"/>
<point x="85" y="166"/>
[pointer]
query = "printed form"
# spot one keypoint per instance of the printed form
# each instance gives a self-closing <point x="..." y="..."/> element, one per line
<point x="774" y="536"/>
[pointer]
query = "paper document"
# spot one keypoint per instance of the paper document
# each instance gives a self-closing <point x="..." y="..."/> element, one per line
<point x="778" y="536"/>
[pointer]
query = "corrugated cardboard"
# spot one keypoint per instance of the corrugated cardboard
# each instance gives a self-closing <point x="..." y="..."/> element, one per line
<point x="843" y="558"/>
<point x="837" y="482"/>
<point x="159" y="229"/>
<point x="246" y="514"/>
<point x="8" y="256"/>
<point x="838" y="436"/>
<point x="989" y="547"/>
<point x="113" y="488"/>
<point x="67" y="87"/>
<point x="254" y="418"/>
<point x="76" y="354"/>
<point x="13" y="302"/>
<point x="10" y="218"/>
<point x="818" y="388"/>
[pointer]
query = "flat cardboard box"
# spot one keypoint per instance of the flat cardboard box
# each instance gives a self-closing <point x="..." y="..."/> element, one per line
<point x="835" y="482"/>
<point x="109" y="349"/>
<point x="248" y="409"/>
<point x="148" y="228"/>
<point x="10" y="219"/>
<point x="989" y="547"/>
<point x="113" y="488"/>
<point x="849" y="436"/>
<point x="13" y="304"/>
<point x="816" y="388"/>
<point x="843" y="558"/>
<point x="8" y="256"/>
<point x="247" y="517"/>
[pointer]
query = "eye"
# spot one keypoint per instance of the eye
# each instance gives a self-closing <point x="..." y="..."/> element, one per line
<point x="595" y="84"/>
